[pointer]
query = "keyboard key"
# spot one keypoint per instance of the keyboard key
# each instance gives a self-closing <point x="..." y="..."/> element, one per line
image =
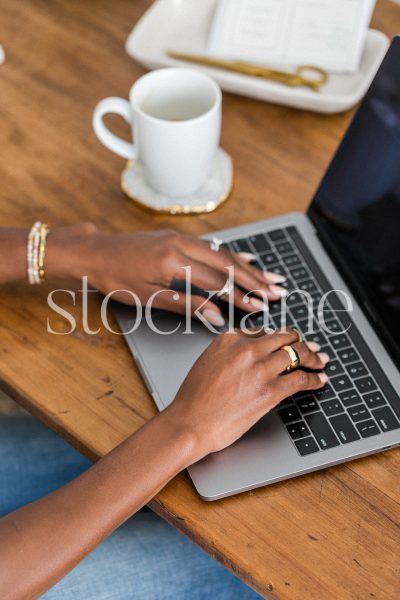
<point x="283" y="321"/>
<point x="386" y="419"/>
<point x="234" y="246"/>
<point x="318" y="337"/>
<point x="331" y="407"/>
<point x="340" y="383"/>
<point x="367" y="428"/>
<point x="327" y="314"/>
<point x="277" y="235"/>
<point x="374" y="400"/>
<point x="289" y="413"/>
<point x="279" y="271"/>
<point x="348" y="355"/>
<point x="329" y="351"/>
<point x="299" y="273"/>
<point x="299" y="312"/>
<point x="278" y="308"/>
<point x="350" y="398"/>
<point x="340" y="341"/>
<point x="322" y="431"/>
<point x="357" y="369"/>
<point x="241" y="246"/>
<point x="306" y="326"/>
<point x="291" y="260"/>
<point x="275" y="308"/>
<point x="306" y="404"/>
<point x="332" y="327"/>
<point x="259" y="320"/>
<point x="359" y="412"/>
<point x="366" y="384"/>
<point x="288" y="284"/>
<point x="308" y="286"/>
<point x="295" y="298"/>
<point x="344" y="429"/>
<point x="269" y="259"/>
<point x="316" y="296"/>
<point x="259" y="243"/>
<point x="306" y="446"/>
<point x="284" y="247"/>
<point x="333" y="368"/>
<point x="298" y="430"/>
<point x="325" y="393"/>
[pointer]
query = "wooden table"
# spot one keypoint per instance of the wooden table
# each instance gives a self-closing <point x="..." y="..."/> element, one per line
<point x="331" y="535"/>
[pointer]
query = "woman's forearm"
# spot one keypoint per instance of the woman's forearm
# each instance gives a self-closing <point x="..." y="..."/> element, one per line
<point x="66" y="252"/>
<point x="12" y="254"/>
<point x="41" y="542"/>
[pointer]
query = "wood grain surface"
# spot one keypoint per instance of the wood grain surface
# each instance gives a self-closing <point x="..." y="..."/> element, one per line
<point x="330" y="535"/>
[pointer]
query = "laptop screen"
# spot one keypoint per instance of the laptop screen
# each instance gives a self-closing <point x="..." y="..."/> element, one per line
<point x="356" y="209"/>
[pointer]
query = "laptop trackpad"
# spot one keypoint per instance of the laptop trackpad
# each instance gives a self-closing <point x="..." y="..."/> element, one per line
<point x="166" y="356"/>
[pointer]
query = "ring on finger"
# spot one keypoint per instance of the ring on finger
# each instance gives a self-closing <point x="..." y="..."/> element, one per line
<point x="226" y="289"/>
<point x="215" y="244"/>
<point x="294" y="358"/>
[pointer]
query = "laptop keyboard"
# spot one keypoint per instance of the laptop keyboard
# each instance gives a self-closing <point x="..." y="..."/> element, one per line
<point x="352" y="405"/>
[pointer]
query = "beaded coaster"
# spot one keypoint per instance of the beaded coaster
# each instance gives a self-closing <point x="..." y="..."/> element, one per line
<point x="213" y="193"/>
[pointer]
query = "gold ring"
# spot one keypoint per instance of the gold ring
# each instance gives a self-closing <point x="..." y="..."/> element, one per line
<point x="227" y="289"/>
<point x="299" y="334"/>
<point x="294" y="358"/>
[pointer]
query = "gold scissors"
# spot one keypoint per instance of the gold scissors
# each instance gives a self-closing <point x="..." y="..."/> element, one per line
<point x="315" y="79"/>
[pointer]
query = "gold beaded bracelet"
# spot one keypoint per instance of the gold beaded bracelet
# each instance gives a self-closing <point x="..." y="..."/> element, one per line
<point x="44" y="230"/>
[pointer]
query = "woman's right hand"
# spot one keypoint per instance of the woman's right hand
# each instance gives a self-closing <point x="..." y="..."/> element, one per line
<point x="237" y="380"/>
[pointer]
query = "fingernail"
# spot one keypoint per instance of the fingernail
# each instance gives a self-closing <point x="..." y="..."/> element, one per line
<point x="247" y="256"/>
<point x="324" y="357"/>
<point x="323" y="377"/>
<point x="313" y="346"/>
<point x="258" y="304"/>
<point x="214" y="317"/>
<point x="278" y="290"/>
<point x="274" y="277"/>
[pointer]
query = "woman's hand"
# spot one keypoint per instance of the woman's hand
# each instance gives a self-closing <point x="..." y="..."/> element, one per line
<point x="239" y="379"/>
<point x="146" y="263"/>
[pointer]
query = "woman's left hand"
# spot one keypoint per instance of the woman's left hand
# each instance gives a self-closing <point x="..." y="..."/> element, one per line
<point x="146" y="264"/>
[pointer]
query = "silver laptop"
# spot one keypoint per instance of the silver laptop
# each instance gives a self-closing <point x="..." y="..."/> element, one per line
<point x="350" y="241"/>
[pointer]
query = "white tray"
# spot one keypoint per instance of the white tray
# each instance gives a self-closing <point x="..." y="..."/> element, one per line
<point x="185" y="24"/>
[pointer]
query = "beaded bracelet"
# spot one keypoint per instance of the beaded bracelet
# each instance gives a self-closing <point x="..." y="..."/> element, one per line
<point x="36" y="251"/>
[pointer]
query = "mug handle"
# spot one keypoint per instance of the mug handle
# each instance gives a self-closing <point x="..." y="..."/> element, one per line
<point x="120" y="107"/>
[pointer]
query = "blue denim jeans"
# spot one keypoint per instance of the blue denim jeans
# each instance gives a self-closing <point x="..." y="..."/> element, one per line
<point x="144" y="559"/>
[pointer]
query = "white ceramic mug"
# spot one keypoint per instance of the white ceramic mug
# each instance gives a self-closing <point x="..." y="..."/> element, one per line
<point x="175" y="116"/>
